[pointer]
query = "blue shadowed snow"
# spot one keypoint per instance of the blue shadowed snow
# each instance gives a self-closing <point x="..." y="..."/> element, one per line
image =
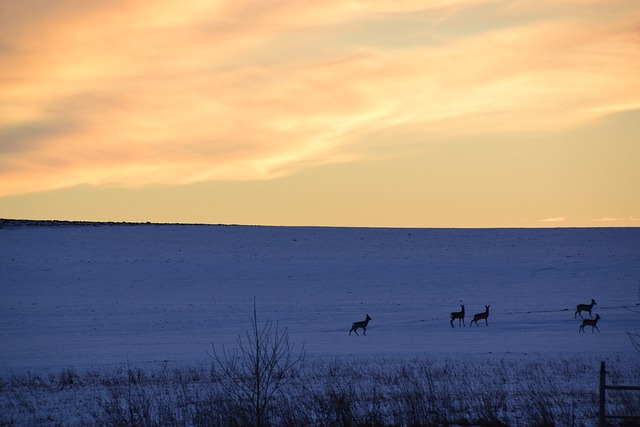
<point x="98" y="295"/>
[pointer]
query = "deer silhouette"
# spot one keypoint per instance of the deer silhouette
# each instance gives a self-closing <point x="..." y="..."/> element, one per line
<point x="458" y="315"/>
<point x="590" y="322"/>
<point x="363" y="324"/>
<point x="481" y="316"/>
<point x="584" y="307"/>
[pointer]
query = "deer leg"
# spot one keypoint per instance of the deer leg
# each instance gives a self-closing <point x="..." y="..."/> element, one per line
<point x="364" y="331"/>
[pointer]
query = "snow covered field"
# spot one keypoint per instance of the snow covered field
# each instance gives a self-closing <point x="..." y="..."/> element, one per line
<point x="87" y="296"/>
<point x="92" y="295"/>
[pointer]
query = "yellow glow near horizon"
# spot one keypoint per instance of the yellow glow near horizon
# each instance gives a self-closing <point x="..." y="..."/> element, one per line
<point x="114" y="95"/>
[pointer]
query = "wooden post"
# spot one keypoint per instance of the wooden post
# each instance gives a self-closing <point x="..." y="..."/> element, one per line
<point x="602" y="421"/>
<point x="602" y="413"/>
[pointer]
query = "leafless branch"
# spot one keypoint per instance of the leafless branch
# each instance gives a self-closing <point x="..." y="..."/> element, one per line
<point x="263" y="362"/>
<point x="634" y="336"/>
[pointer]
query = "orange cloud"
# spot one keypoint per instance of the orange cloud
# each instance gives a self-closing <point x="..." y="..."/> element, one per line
<point x="124" y="94"/>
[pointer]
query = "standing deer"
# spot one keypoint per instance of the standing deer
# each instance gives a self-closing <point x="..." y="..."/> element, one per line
<point x="590" y="322"/>
<point x="458" y="315"/>
<point x="584" y="307"/>
<point x="481" y="316"/>
<point x="363" y="325"/>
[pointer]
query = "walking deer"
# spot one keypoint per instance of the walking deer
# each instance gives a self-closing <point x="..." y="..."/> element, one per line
<point x="363" y="325"/>
<point x="458" y="315"/>
<point x="584" y="307"/>
<point x="481" y="316"/>
<point x="590" y="322"/>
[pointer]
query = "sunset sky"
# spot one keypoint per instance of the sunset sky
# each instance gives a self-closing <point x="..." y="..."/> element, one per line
<point x="428" y="113"/>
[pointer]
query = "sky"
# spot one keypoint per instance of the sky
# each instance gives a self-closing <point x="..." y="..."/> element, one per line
<point x="459" y="113"/>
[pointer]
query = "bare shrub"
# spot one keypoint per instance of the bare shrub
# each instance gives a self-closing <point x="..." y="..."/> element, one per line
<point x="256" y="371"/>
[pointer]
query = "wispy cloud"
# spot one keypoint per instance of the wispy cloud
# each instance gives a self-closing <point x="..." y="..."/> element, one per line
<point x="554" y="219"/>
<point x="610" y="219"/>
<point x="130" y="94"/>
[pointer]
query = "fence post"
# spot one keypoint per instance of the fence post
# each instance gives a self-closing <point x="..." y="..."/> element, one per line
<point x="601" y="413"/>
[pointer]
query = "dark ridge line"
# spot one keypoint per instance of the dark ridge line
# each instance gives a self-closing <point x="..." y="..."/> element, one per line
<point x="15" y="223"/>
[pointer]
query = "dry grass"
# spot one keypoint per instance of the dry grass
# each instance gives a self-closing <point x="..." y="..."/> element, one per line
<point x="417" y="392"/>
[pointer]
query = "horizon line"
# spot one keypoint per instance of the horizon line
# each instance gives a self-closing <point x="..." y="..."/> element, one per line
<point x="8" y="222"/>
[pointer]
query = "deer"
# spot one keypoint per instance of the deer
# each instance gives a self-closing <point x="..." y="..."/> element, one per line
<point x="590" y="322"/>
<point x="584" y="307"/>
<point x="481" y="316"/>
<point x="363" y="325"/>
<point x="458" y="315"/>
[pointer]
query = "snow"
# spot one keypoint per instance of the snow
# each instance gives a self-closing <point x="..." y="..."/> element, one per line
<point x="87" y="295"/>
